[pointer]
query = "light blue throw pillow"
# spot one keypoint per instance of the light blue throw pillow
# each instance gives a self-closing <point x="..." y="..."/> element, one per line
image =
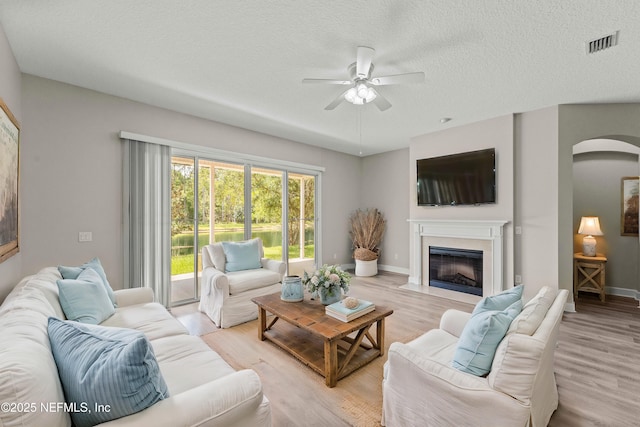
<point x="84" y="299"/>
<point x="241" y="255"/>
<point x="74" y="272"/>
<point x="480" y="338"/>
<point x="114" y="368"/>
<point x="499" y="301"/>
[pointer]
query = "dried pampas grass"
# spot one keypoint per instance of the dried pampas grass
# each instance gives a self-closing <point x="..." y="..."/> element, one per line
<point x="367" y="228"/>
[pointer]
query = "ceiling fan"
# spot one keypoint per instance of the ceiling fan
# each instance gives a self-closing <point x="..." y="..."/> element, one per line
<point x="361" y="90"/>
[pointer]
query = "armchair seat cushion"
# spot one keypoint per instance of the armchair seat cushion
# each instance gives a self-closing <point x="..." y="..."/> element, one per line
<point x="242" y="281"/>
<point x="436" y="345"/>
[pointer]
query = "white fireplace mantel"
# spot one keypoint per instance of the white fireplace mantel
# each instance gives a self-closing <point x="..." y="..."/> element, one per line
<point x="486" y="230"/>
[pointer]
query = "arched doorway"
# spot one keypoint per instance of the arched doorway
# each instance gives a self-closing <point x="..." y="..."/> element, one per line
<point x="598" y="168"/>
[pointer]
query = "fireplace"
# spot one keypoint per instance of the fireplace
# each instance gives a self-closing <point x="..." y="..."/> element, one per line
<point x="456" y="269"/>
<point x="485" y="236"/>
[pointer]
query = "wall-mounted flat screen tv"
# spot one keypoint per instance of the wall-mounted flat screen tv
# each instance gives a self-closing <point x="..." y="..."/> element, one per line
<point x="457" y="179"/>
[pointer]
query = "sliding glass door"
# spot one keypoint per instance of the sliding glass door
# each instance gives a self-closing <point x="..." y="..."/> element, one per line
<point x="216" y="201"/>
<point x="301" y="223"/>
<point x="266" y="210"/>
<point x="183" y="230"/>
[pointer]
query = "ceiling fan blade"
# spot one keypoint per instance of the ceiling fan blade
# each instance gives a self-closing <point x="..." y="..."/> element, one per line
<point x="363" y="61"/>
<point x="398" y="79"/>
<point x="328" y="81"/>
<point x="336" y="101"/>
<point x="380" y="101"/>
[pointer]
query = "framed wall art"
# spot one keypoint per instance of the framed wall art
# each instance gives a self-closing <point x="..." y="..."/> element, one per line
<point x="629" y="208"/>
<point x="9" y="175"/>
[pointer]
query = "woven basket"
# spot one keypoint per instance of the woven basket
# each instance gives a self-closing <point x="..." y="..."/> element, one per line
<point x="364" y="254"/>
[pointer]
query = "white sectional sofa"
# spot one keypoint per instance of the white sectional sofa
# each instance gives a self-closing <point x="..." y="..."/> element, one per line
<point x="203" y="389"/>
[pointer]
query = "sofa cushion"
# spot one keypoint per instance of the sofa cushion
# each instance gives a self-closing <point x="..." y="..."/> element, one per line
<point x="480" y="338"/>
<point x="241" y="281"/>
<point x="152" y="319"/>
<point x="28" y="372"/>
<point x="105" y="366"/>
<point x="499" y="301"/>
<point x="85" y="299"/>
<point x="187" y="362"/>
<point x="44" y="284"/>
<point x="533" y="312"/>
<point x="241" y="255"/>
<point x="74" y="272"/>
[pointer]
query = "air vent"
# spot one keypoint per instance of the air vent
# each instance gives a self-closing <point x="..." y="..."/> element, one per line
<point x="602" y="43"/>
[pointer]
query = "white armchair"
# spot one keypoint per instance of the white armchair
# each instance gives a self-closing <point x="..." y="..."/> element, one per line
<point x="421" y="388"/>
<point x="225" y="296"/>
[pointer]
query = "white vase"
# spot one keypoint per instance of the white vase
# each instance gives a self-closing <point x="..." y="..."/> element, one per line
<point x="366" y="268"/>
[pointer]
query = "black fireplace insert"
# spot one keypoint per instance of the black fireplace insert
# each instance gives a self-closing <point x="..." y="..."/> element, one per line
<point x="456" y="269"/>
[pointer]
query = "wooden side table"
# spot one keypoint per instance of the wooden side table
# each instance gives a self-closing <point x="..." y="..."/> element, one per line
<point x="589" y="274"/>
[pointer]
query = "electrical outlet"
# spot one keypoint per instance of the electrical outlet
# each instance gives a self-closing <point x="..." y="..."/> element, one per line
<point x="335" y="256"/>
<point x="395" y="256"/>
<point x="518" y="279"/>
<point x="518" y="229"/>
<point x="85" y="236"/>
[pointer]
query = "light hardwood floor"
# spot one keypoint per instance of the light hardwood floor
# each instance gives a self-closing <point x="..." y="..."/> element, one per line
<point x="597" y="358"/>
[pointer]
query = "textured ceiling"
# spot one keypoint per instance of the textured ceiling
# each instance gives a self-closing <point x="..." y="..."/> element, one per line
<point x="242" y="62"/>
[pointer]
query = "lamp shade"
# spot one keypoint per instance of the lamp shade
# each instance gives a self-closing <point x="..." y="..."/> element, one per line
<point x="590" y="225"/>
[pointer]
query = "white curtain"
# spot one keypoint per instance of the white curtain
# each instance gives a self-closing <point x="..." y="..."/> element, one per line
<point x="147" y="217"/>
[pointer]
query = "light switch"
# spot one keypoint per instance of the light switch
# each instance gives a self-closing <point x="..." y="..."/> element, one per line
<point x="85" y="236"/>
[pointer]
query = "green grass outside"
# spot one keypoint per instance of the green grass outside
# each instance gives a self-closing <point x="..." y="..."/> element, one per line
<point x="181" y="264"/>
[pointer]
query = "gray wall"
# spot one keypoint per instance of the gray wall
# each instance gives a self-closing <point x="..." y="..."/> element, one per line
<point x="536" y="199"/>
<point x="386" y="186"/>
<point x="596" y="192"/>
<point x="10" y="78"/>
<point x="72" y="172"/>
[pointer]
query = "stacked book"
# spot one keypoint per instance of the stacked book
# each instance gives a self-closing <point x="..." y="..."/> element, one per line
<point x="338" y="311"/>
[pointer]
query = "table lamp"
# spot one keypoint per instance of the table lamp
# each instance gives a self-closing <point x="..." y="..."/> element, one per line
<point x="589" y="226"/>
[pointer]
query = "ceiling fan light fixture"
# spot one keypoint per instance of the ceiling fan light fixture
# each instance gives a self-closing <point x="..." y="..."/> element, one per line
<point x="351" y="95"/>
<point x="371" y="95"/>
<point x="362" y="90"/>
<point x="360" y="94"/>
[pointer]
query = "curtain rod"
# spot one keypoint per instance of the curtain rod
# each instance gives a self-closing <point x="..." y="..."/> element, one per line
<point x="220" y="154"/>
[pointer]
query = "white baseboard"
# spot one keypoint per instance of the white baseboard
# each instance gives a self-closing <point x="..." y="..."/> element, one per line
<point x="389" y="268"/>
<point x="570" y="307"/>
<point x="622" y="292"/>
<point x="393" y="269"/>
<point x="348" y="266"/>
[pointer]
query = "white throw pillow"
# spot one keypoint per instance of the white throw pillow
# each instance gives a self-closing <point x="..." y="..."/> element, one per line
<point x="533" y="312"/>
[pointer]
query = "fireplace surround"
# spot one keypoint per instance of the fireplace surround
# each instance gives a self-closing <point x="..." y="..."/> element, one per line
<point x="485" y="236"/>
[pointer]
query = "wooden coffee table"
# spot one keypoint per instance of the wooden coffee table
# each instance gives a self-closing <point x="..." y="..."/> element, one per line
<point x="319" y="341"/>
